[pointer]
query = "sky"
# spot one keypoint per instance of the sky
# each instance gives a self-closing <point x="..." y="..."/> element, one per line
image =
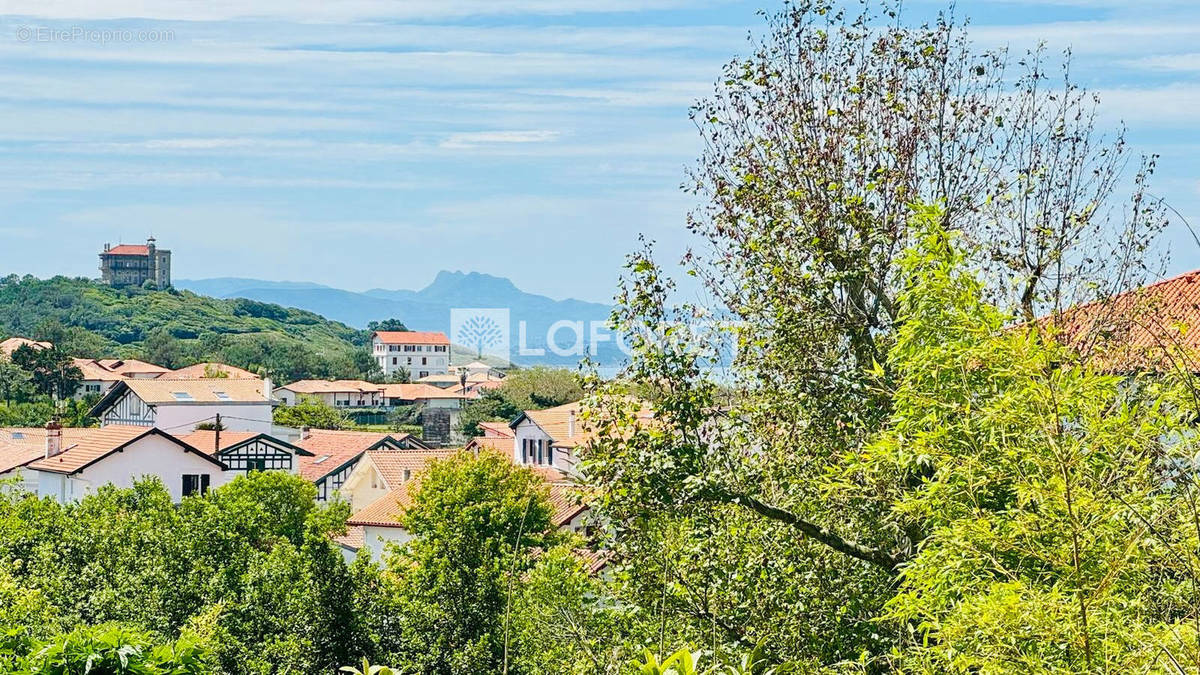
<point x="371" y="143"/>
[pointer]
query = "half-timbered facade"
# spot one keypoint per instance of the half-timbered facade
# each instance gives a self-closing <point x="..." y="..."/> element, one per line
<point x="243" y="452"/>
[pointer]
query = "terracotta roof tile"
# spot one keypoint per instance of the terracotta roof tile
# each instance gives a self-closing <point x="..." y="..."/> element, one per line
<point x="353" y="539"/>
<point x="501" y="445"/>
<point x="392" y="464"/>
<point x="392" y="337"/>
<point x="12" y="344"/>
<point x="84" y="446"/>
<point x="129" y="249"/>
<point x="201" y="370"/>
<point x="496" y="429"/>
<point x="332" y="387"/>
<point x="206" y="441"/>
<point x="385" y="511"/>
<point x="1138" y="329"/>
<point x="417" y="391"/>
<point x="161" y="390"/>
<point x="332" y="449"/>
<point x="131" y="367"/>
<point x="92" y="370"/>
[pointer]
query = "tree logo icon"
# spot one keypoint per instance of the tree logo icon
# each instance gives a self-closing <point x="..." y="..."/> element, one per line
<point x="483" y="331"/>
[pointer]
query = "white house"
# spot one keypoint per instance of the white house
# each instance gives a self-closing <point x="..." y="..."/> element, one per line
<point x="337" y="393"/>
<point x="68" y="464"/>
<point x="421" y="353"/>
<point x="548" y="437"/>
<point x="96" y="378"/>
<point x="179" y="405"/>
<point x="334" y="454"/>
<point x="551" y="437"/>
<point x="244" y="451"/>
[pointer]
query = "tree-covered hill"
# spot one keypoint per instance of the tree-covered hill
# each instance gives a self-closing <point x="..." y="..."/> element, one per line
<point x="175" y="328"/>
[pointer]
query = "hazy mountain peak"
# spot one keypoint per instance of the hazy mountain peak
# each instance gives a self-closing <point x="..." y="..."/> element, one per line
<point x="448" y="283"/>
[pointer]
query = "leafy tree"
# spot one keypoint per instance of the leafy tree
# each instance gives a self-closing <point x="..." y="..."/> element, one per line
<point x="595" y="634"/>
<point x="816" y="146"/>
<point x="311" y="412"/>
<point x="524" y="389"/>
<point x="51" y="372"/>
<point x="387" y="325"/>
<point x="475" y="523"/>
<point x="162" y="348"/>
<point x="14" y="381"/>
<point x="117" y="650"/>
<point x="999" y="515"/>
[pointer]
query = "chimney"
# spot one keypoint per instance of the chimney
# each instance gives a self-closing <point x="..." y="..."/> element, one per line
<point x="571" y="423"/>
<point x="53" y="438"/>
<point x="303" y="433"/>
<point x="107" y="246"/>
<point x="268" y="388"/>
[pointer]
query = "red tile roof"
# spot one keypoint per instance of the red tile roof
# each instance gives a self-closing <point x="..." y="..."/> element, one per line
<point x="502" y="445"/>
<point x="332" y="387"/>
<point x="332" y="449"/>
<point x="1139" y="329"/>
<point x="385" y="511"/>
<point x="202" y="370"/>
<point x="92" y="370"/>
<point x="353" y="539"/>
<point x="206" y="441"/>
<point x="12" y="344"/>
<point x="83" y="447"/>
<point x="395" y="337"/>
<point x="496" y="429"/>
<point x="417" y="391"/>
<point x="129" y="249"/>
<point x="130" y="367"/>
<point x="391" y="464"/>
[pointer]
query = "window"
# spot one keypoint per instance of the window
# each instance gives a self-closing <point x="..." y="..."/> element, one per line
<point x="182" y="396"/>
<point x="393" y="360"/>
<point x="222" y="396"/>
<point x="549" y="454"/>
<point x="407" y="475"/>
<point x="256" y="464"/>
<point x="195" y="483"/>
<point x="424" y="361"/>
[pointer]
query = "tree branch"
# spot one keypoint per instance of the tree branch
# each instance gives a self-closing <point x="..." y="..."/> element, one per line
<point x="822" y="535"/>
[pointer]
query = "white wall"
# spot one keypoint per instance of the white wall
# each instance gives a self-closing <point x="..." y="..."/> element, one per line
<point x="181" y="419"/>
<point x="376" y="539"/>
<point x="436" y="362"/>
<point x="149" y="456"/>
<point x="24" y="480"/>
<point x="563" y="460"/>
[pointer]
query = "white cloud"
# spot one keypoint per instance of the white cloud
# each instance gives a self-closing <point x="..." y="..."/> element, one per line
<point x="472" y="139"/>
<point x="342" y="10"/>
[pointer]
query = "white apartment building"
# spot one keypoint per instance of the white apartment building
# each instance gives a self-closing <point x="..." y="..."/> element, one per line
<point x="421" y="353"/>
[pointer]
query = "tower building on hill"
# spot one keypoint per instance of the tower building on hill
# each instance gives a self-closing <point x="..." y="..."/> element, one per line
<point x="135" y="264"/>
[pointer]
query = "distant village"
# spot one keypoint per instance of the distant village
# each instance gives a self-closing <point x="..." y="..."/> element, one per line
<point x="199" y="427"/>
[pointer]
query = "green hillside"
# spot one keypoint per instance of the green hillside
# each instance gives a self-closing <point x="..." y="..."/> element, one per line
<point x="177" y="328"/>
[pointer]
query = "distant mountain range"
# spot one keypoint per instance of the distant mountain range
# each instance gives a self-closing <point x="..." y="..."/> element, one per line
<point x="429" y="309"/>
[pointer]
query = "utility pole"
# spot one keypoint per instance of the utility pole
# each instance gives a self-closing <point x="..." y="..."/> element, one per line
<point x="217" y="436"/>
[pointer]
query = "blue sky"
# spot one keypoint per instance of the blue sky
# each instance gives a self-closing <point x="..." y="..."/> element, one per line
<point x="371" y="143"/>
